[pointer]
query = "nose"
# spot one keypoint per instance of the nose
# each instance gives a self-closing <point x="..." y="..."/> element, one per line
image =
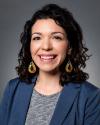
<point x="46" y="44"/>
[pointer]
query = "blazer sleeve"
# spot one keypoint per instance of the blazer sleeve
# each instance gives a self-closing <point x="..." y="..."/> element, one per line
<point x="6" y="102"/>
<point x="92" y="112"/>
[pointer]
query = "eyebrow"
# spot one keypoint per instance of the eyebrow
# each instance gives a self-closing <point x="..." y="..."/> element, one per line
<point x="38" y="33"/>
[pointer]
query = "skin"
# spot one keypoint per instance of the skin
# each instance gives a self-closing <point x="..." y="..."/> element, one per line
<point x="49" y="47"/>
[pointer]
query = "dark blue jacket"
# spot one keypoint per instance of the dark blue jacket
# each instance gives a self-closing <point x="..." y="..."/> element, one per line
<point x="78" y="104"/>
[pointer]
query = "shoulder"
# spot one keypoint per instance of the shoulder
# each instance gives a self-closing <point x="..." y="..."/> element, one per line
<point x="89" y="86"/>
<point x="86" y="91"/>
<point x="8" y="94"/>
<point x="90" y="103"/>
<point x="16" y="84"/>
<point x="7" y="99"/>
<point x="10" y="87"/>
<point x="84" y="87"/>
<point x="89" y="89"/>
<point x="12" y="84"/>
<point x="89" y="95"/>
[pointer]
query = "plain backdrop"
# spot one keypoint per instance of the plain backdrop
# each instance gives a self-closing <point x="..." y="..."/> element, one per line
<point x="14" y="14"/>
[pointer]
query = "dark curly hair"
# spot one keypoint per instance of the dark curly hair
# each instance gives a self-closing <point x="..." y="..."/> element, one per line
<point x="78" y="54"/>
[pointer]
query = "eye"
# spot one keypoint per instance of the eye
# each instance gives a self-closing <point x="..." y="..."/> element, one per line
<point x="58" y="38"/>
<point x="36" y="38"/>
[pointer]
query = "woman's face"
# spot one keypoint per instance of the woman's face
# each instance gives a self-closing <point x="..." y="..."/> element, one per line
<point x="49" y="45"/>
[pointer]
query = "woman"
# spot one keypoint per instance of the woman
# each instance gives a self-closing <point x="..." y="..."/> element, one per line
<point x="51" y="88"/>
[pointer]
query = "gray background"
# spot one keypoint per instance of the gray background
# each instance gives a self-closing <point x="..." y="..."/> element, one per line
<point x="14" y="14"/>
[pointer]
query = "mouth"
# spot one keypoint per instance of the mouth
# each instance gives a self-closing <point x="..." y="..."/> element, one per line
<point x="47" y="58"/>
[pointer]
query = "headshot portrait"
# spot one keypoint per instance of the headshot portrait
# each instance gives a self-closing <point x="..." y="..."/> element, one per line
<point x="53" y="82"/>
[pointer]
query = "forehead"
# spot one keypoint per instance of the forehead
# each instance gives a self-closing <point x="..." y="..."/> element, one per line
<point x="46" y="25"/>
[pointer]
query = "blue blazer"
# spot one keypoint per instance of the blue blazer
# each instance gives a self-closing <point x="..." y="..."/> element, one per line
<point x="78" y="104"/>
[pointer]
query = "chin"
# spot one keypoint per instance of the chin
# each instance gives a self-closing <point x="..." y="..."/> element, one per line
<point x="49" y="70"/>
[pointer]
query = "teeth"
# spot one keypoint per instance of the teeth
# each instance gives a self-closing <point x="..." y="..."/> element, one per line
<point x="47" y="57"/>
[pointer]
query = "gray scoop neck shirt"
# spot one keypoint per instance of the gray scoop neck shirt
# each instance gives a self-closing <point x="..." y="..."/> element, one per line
<point x="41" y="108"/>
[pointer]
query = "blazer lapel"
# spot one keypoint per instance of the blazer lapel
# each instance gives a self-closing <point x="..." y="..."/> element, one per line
<point x="21" y="103"/>
<point x="65" y="102"/>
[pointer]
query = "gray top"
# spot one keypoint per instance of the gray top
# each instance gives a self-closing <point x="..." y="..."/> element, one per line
<point x="41" y="108"/>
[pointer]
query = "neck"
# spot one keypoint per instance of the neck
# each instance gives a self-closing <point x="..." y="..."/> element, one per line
<point x="49" y="78"/>
<point x="48" y="83"/>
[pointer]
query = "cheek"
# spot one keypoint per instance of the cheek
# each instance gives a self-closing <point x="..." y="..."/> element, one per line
<point x="63" y="49"/>
<point x="33" y="49"/>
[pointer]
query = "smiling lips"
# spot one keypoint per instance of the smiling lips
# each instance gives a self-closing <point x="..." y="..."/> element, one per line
<point x="47" y="58"/>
